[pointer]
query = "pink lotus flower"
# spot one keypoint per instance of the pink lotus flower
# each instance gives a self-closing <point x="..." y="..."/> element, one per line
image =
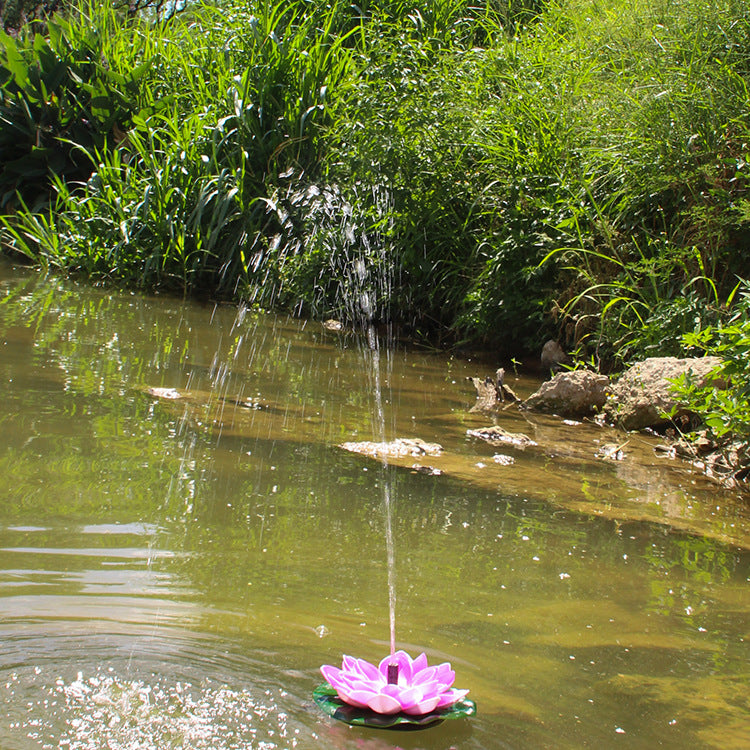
<point x="420" y="689"/>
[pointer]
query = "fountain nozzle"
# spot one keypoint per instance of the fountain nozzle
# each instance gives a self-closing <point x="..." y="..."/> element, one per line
<point x="393" y="674"/>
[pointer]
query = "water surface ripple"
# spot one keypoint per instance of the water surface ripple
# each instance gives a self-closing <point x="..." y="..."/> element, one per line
<point x="183" y="543"/>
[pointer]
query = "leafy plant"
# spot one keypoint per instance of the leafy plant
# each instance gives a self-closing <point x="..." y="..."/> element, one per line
<point x="643" y="306"/>
<point x="725" y="411"/>
<point x="514" y="170"/>
<point x="63" y="95"/>
<point x="184" y="198"/>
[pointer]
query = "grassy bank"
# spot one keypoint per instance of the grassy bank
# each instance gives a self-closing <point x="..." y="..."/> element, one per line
<point x="495" y="174"/>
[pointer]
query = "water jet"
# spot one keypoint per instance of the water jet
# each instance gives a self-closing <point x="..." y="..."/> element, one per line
<point x="401" y="692"/>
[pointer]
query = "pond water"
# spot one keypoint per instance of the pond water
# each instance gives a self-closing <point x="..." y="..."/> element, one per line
<point x="173" y="571"/>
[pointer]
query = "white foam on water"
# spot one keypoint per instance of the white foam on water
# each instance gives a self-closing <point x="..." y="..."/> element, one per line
<point x="104" y="710"/>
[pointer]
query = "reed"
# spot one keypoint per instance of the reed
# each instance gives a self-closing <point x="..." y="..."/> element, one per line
<point x="521" y="169"/>
<point x="178" y="187"/>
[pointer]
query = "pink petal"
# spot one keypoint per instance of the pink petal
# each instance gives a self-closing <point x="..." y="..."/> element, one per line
<point x="431" y="689"/>
<point x="349" y="663"/>
<point x="358" y="698"/>
<point x="405" y="666"/>
<point x="419" y="664"/>
<point x="332" y="675"/>
<point x="384" y="704"/>
<point x="408" y="697"/>
<point x="444" y="674"/>
<point x="354" y="682"/>
<point x="394" y="691"/>
<point x="368" y="671"/>
<point x="449" y="697"/>
<point x="427" y="705"/>
<point x="424" y="675"/>
<point x="363" y="694"/>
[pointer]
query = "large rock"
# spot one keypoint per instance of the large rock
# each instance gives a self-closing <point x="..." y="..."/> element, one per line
<point x="553" y="356"/>
<point x="643" y="394"/>
<point x="571" y="394"/>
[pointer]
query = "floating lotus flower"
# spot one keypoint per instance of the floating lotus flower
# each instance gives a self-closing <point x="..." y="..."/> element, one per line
<point x="413" y="688"/>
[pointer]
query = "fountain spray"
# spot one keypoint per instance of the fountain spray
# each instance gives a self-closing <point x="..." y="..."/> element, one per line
<point x="360" y="693"/>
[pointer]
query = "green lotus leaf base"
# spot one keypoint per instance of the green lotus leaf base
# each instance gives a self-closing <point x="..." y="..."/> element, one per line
<point x="329" y="702"/>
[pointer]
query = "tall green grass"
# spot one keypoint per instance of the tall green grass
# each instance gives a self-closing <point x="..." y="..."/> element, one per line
<point x="662" y="178"/>
<point x="518" y="169"/>
<point x="230" y="103"/>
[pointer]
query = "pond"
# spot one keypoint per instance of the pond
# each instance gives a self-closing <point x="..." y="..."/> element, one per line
<point x="183" y="543"/>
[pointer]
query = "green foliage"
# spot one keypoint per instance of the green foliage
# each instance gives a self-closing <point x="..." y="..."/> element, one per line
<point x="62" y="95"/>
<point x="656" y="223"/>
<point x="163" y="192"/>
<point x="724" y="411"/>
<point x="644" y="305"/>
<point x="549" y="184"/>
<point x="496" y="173"/>
<point x="184" y="200"/>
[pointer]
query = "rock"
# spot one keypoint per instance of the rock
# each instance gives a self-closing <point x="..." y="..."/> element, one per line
<point x="666" y="451"/>
<point x="643" y="394"/>
<point x="395" y="448"/>
<point x="498" y="436"/>
<point x="333" y="325"/>
<point x="553" y="356"/>
<point x="491" y="393"/>
<point x="486" y="394"/>
<point x="171" y="394"/>
<point x="611" y="452"/>
<point x="571" y="394"/>
<point x="431" y="471"/>
<point x="205" y="398"/>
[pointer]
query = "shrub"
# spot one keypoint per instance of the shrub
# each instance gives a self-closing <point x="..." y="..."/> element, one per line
<point x="505" y="171"/>
<point x="62" y="96"/>
<point x="725" y="412"/>
<point x="183" y="199"/>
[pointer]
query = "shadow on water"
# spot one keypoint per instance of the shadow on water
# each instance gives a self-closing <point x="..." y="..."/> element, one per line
<point x="173" y="571"/>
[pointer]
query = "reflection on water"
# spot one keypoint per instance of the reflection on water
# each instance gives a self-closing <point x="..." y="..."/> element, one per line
<point x="174" y="570"/>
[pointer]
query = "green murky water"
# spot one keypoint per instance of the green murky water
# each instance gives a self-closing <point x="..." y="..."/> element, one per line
<point x="174" y="571"/>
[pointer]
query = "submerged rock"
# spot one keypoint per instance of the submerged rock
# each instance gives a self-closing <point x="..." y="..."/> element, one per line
<point x="171" y="394"/>
<point x="395" y="448"/>
<point x="205" y="398"/>
<point x="498" y="436"/>
<point x="571" y="394"/>
<point x="643" y="395"/>
<point x="612" y="452"/>
<point x="431" y="471"/>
